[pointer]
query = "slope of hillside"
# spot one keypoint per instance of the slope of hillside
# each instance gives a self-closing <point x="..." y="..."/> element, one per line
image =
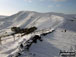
<point x="61" y="39"/>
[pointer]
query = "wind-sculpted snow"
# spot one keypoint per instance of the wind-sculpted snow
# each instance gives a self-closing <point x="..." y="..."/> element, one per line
<point x="62" y="38"/>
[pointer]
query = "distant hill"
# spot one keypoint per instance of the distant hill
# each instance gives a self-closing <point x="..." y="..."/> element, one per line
<point x="2" y="16"/>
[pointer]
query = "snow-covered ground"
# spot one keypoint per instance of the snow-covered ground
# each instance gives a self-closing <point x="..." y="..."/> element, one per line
<point x="63" y="38"/>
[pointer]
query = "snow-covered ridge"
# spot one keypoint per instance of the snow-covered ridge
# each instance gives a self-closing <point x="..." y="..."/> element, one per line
<point x="25" y="19"/>
<point x="61" y="39"/>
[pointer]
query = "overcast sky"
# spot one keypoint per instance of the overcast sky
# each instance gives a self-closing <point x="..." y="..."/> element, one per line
<point x="8" y="7"/>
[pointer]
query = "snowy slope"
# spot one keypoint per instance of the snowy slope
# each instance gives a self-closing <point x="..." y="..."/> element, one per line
<point x="52" y="43"/>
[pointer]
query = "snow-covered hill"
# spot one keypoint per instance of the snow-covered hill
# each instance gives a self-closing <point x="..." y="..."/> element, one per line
<point x="62" y="38"/>
<point x="1" y="16"/>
